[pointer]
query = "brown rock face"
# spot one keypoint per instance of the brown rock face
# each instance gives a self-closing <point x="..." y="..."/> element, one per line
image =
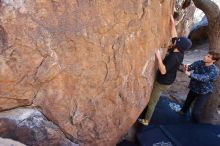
<point x="81" y="61"/>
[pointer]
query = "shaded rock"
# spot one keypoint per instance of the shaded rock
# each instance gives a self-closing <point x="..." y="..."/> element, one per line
<point x="199" y="31"/>
<point x="9" y="142"/>
<point x="81" y="62"/>
<point x="30" y="127"/>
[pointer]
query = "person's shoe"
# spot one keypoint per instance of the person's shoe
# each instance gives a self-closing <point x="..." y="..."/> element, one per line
<point x="143" y="121"/>
<point x="181" y="113"/>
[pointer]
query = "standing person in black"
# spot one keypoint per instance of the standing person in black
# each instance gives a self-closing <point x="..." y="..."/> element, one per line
<point x="166" y="73"/>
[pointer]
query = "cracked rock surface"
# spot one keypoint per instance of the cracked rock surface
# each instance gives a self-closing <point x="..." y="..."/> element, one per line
<point x="89" y="65"/>
<point x="30" y="127"/>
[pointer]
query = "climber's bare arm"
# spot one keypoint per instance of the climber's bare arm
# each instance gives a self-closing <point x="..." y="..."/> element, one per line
<point x="173" y="27"/>
<point x="161" y="66"/>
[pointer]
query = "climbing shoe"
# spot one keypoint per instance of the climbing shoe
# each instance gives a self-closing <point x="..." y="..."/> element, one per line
<point x="143" y="121"/>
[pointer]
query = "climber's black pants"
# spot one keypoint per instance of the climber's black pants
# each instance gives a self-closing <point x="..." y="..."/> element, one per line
<point x="200" y="101"/>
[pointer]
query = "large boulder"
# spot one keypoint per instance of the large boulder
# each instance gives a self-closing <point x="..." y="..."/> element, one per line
<point x="89" y="65"/>
<point x="199" y="31"/>
<point x="31" y="127"/>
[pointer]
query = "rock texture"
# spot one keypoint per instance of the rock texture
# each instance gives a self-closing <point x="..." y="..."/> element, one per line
<point x="199" y="31"/>
<point x="82" y="61"/>
<point x="30" y="127"/>
<point x="185" y="19"/>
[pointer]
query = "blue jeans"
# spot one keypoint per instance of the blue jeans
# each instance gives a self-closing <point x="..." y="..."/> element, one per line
<point x="200" y="101"/>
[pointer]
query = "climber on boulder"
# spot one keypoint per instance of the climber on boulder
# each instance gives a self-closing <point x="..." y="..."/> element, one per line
<point x="167" y="70"/>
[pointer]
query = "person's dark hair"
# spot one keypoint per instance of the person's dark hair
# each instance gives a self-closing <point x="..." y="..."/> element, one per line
<point x="173" y="40"/>
<point x="172" y="46"/>
<point x="176" y="15"/>
<point x="215" y="55"/>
